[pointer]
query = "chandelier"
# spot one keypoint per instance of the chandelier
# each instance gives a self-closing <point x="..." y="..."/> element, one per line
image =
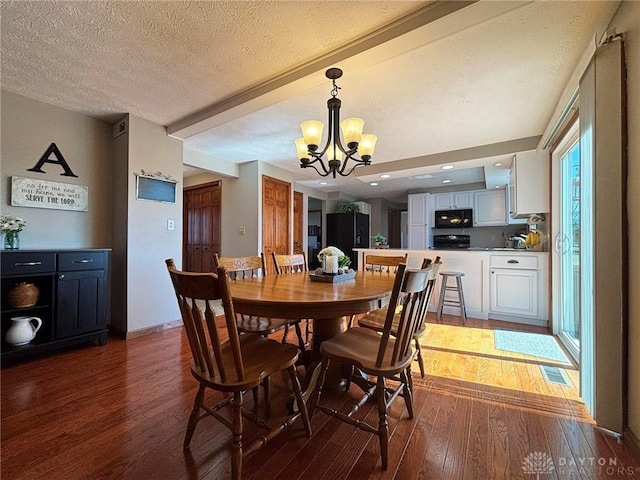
<point x="355" y="140"/>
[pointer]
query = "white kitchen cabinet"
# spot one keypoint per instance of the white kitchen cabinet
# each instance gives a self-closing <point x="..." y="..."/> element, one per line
<point x="454" y="200"/>
<point x="517" y="287"/>
<point x="518" y="293"/>
<point x="490" y="208"/>
<point x="529" y="184"/>
<point x="418" y="224"/>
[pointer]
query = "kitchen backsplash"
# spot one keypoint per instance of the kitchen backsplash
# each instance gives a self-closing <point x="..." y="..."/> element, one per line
<point x="486" y="237"/>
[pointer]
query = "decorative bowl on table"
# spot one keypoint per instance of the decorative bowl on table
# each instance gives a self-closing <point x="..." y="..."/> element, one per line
<point x="343" y="275"/>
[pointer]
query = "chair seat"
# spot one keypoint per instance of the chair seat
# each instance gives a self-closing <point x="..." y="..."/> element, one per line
<point x="261" y="357"/>
<point x="260" y="325"/>
<point x="359" y="347"/>
<point x="375" y="321"/>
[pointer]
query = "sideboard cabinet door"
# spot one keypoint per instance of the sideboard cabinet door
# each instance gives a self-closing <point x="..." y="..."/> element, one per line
<point x="80" y="305"/>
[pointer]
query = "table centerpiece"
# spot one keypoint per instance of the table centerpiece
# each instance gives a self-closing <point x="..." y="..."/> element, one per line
<point x="335" y="266"/>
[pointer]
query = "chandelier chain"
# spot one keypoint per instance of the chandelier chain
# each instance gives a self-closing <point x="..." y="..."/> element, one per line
<point x="334" y="90"/>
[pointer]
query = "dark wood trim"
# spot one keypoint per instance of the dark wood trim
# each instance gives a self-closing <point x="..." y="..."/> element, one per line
<point x="202" y="185"/>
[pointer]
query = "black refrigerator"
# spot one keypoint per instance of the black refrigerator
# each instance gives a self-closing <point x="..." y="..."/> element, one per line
<point x="348" y="231"/>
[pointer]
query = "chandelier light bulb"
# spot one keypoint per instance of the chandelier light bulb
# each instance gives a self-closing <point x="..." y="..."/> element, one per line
<point x="367" y="145"/>
<point x="312" y="133"/>
<point x="301" y="148"/>
<point x="352" y="131"/>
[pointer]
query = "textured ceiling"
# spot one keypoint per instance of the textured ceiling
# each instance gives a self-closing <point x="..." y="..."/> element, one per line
<point x="490" y="73"/>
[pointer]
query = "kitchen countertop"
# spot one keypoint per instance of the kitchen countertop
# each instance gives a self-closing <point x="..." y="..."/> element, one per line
<point x="470" y="249"/>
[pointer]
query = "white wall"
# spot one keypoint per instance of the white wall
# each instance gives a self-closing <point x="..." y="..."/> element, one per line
<point x="150" y="296"/>
<point x="28" y="128"/>
<point x="241" y="203"/>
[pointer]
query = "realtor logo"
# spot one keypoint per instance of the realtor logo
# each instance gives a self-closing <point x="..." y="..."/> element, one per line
<point x="538" y="463"/>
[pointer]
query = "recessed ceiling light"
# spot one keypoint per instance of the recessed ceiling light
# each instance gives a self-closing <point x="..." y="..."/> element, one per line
<point x="373" y="184"/>
<point x="446" y="167"/>
<point x="323" y="183"/>
<point x="497" y="164"/>
<point x="446" y="181"/>
<point x="385" y="175"/>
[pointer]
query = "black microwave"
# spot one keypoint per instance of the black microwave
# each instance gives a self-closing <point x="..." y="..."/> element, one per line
<point x="454" y="218"/>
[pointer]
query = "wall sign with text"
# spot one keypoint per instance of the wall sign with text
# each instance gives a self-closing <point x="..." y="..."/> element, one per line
<point x="29" y="192"/>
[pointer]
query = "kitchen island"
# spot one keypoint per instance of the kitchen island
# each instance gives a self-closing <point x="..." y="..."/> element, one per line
<point x="500" y="284"/>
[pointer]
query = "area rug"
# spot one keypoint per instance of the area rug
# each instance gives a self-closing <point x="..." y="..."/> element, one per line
<point x="535" y="344"/>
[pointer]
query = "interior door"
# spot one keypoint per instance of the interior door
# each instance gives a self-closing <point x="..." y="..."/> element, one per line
<point x="298" y="220"/>
<point x="276" y="218"/>
<point x="394" y="229"/>
<point x="201" y="226"/>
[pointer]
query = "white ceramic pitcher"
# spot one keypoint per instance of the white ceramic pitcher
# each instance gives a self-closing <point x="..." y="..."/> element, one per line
<point x="22" y="330"/>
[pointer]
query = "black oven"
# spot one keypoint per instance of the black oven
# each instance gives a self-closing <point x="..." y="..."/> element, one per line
<point x="454" y="218"/>
<point x="459" y="242"/>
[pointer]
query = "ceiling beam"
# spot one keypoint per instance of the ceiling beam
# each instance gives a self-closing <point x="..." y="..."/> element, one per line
<point x="432" y="22"/>
<point x="425" y="163"/>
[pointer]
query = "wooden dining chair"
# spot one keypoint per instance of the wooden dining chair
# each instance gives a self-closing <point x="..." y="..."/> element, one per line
<point x="239" y="268"/>
<point x="231" y="366"/>
<point x="295" y="263"/>
<point x="380" y="356"/>
<point x="382" y="263"/>
<point x="375" y="320"/>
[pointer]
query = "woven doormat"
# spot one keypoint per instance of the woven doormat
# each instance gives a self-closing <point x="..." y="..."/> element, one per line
<point x="534" y="344"/>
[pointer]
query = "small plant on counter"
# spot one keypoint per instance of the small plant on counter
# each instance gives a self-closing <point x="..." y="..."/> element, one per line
<point x="380" y="239"/>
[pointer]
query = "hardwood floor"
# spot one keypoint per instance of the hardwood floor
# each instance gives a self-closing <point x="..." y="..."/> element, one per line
<point x="120" y="412"/>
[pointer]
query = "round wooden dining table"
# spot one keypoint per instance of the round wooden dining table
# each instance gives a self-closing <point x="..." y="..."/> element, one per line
<point x="297" y="296"/>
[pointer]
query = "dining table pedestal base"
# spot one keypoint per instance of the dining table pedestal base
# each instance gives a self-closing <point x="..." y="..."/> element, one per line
<point x="325" y="329"/>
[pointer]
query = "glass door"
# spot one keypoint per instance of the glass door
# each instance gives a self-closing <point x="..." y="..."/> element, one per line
<point x="567" y="267"/>
<point x="570" y="248"/>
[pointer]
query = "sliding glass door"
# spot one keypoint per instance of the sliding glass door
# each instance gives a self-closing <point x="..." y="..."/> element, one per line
<point x="567" y="266"/>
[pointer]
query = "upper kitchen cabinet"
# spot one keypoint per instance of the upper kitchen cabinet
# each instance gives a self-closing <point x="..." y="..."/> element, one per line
<point x="490" y="208"/>
<point x="529" y="184"/>
<point x="454" y="200"/>
<point x="419" y="221"/>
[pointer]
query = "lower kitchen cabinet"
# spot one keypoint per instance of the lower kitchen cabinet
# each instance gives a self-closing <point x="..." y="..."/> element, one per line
<point x="517" y="287"/>
<point x="72" y="302"/>
<point x="511" y="286"/>
<point x="514" y="292"/>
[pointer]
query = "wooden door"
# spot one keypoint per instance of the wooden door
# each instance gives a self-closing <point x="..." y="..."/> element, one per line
<point x="201" y="226"/>
<point x="276" y="218"/>
<point x="394" y="228"/>
<point x="298" y="219"/>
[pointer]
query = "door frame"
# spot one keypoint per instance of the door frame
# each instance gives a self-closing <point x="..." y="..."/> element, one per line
<point x="567" y="139"/>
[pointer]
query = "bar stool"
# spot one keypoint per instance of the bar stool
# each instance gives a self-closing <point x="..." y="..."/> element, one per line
<point x="458" y="289"/>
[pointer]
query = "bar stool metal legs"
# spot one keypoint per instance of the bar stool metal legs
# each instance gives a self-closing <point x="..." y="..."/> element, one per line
<point x="452" y="302"/>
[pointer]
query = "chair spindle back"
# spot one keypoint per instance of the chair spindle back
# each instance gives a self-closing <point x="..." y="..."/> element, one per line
<point x="295" y="263"/>
<point x="195" y="292"/>
<point x="408" y="292"/>
<point x="242" y="267"/>
<point x="383" y="263"/>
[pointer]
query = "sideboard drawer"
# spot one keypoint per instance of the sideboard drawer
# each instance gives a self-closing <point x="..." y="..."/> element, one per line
<point x="26" y="263"/>
<point x="70" y="261"/>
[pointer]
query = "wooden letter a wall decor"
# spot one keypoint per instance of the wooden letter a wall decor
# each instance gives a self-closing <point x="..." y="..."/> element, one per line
<point x="60" y="161"/>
